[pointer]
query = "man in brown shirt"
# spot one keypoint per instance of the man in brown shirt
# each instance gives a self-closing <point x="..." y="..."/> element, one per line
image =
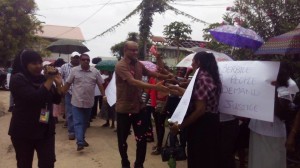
<point x="129" y="72"/>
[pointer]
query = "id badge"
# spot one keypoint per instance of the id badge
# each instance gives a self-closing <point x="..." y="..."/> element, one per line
<point x="44" y="116"/>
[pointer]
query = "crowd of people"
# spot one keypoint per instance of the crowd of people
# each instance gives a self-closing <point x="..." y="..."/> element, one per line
<point x="211" y="139"/>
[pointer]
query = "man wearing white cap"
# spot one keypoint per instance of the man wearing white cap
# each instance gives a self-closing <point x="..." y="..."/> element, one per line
<point x="65" y="72"/>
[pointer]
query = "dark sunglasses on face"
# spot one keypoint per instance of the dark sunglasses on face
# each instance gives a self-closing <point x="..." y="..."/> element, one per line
<point x="85" y="59"/>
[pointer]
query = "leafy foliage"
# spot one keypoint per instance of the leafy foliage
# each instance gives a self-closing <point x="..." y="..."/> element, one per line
<point x="177" y="31"/>
<point x="117" y="49"/>
<point x="18" y="26"/>
<point x="268" y="18"/>
<point x="149" y="7"/>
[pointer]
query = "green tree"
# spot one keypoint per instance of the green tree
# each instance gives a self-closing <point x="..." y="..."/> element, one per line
<point x="268" y="18"/>
<point x="177" y="31"/>
<point x="117" y="49"/>
<point x="18" y="26"/>
<point x="147" y="8"/>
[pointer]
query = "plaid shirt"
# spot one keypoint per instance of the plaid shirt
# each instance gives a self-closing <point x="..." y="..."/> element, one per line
<point x="205" y="89"/>
<point x="65" y="72"/>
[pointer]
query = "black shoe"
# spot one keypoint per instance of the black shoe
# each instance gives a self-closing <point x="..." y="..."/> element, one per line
<point x="157" y="151"/>
<point x="85" y="144"/>
<point x="11" y="108"/>
<point x="125" y="164"/>
<point x="71" y="137"/>
<point x="80" y="147"/>
<point x="150" y="139"/>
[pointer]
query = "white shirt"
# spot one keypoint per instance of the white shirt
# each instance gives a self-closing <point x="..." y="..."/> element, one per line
<point x="97" y="91"/>
<point x="273" y="129"/>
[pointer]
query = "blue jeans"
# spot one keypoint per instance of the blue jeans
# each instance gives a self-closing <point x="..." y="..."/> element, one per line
<point x="81" y="118"/>
<point x="69" y="115"/>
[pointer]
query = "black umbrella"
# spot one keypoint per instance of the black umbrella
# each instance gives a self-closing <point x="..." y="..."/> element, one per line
<point x="66" y="46"/>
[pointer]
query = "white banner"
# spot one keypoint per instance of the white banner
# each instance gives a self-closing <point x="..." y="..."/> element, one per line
<point x="183" y="105"/>
<point x="111" y="91"/>
<point x="247" y="89"/>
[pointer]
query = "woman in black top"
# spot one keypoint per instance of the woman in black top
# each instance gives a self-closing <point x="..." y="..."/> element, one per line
<point x="32" y="125"/>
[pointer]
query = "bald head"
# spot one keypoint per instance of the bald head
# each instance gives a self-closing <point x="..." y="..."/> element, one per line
<point x="130" y="49"/>
<point x="130" y="44"/>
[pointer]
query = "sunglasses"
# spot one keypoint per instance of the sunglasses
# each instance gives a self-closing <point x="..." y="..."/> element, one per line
<point x="88" y="60"/>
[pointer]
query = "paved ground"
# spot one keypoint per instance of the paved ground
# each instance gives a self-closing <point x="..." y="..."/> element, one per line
<point x="102" y="153"/>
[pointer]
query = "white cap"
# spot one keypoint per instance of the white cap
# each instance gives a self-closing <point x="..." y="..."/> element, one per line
<point x="75" y="54"/>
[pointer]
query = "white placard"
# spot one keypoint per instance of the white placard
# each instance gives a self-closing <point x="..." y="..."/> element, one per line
<point x="111" y="91"/>
<point x="183" y="105"/>
<point x="247" y="89"/>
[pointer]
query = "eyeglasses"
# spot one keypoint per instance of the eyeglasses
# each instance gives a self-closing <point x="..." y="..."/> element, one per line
<point x="88" y="60"/>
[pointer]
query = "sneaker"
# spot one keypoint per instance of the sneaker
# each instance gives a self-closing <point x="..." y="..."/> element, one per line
<point x="85" y="144"/>
<point x="71" y="137"/>
<point x="80" y="147"/>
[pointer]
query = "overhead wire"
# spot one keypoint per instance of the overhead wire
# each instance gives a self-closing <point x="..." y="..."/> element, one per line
<point x="85" y="20"/>
<point x="90" y="5"/>
<point x="204" y="5"/>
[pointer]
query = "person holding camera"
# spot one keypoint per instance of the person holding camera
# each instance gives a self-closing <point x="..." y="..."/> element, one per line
<point x="32" y="126"/>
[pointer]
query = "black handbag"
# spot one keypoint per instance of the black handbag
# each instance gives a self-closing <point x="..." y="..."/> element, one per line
<point x="177" y="152"/>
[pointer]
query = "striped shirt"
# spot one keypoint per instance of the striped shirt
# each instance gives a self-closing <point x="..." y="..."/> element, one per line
<point x="65" y="72"/>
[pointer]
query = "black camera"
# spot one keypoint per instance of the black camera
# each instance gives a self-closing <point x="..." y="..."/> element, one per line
<point x="53" y="70"/>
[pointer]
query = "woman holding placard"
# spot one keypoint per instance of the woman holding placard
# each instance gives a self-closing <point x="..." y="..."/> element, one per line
<point x="267" y="139"/>
<point x="202" y="118"/>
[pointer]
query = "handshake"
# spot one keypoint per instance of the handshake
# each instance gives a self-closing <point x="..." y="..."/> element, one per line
<point x="173" y="86"/>
<point x="50" y="71"/>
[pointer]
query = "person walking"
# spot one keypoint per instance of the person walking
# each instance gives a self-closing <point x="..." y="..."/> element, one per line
<point x="129" y="72"/>
<point x="32" y="126"/>
<point x="83" y="79"/>
<point x="65" y="72"/>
